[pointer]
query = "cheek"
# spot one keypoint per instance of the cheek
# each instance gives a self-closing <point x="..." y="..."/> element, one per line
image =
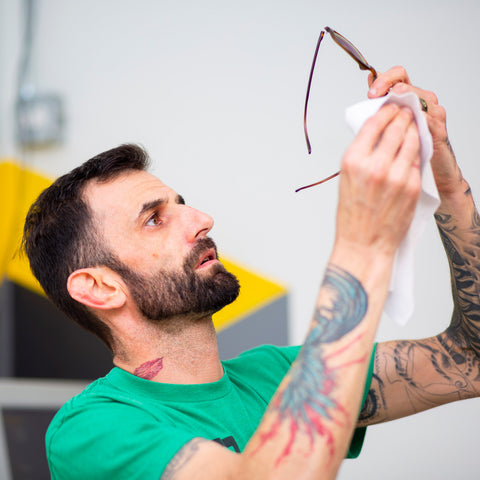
<point x="146" y="254"/>
<point x="166" y="258"/>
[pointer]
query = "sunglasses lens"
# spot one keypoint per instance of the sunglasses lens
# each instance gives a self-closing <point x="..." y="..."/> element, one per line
<point x="349" y="48"/>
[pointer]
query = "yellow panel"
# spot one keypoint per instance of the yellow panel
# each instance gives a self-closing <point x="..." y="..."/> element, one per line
<point x="254" y="294"/>
<point x="20" y="187"/>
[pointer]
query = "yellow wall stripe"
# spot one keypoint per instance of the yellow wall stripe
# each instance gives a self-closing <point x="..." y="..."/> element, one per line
<point x="255" y="293"/>
<point x="19" y="187"/>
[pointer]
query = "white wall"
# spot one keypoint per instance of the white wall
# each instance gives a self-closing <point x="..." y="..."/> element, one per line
<point x="215" y="91"/>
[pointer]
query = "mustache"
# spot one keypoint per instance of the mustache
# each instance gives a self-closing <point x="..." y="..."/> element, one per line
<point x="201" y="246"/>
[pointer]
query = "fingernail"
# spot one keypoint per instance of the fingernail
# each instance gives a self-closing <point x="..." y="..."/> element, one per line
<point x="372" y="91"/>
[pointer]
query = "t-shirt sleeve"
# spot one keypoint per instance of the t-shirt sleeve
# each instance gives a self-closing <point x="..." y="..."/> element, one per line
<point x="110" y="440"/>
<point x="356" y="443"/>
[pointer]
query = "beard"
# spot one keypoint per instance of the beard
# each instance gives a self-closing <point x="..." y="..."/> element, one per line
<point x="167" y="294"/>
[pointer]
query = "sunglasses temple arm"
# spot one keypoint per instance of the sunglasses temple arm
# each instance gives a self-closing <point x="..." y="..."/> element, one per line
<point x="319" y="41"/>
<point x="318" y="183"/>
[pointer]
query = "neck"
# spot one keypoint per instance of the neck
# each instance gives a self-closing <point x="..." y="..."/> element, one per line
<point x="184" y="352"/>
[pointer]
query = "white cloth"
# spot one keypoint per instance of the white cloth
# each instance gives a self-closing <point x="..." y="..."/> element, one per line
<point x="400" y="301"/>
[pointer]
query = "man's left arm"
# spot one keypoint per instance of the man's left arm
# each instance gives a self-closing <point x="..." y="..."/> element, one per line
<point x="414" y="375"/>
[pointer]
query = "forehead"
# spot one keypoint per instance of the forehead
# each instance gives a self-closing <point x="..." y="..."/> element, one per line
<point x="126" y="193"/>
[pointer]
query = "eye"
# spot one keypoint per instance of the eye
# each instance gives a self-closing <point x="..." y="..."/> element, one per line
<point x="154" y="220"/>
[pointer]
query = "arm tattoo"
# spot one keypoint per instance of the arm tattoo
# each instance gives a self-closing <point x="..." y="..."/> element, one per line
<point x="463" y="251"/>
<point x="373" y="403"/>
<point x="308" y="400"/>
<point x="430" y="372"/>
<point x="447" y="141"/>
<point x="417" y="375"/>
<point x="183" y="456"/>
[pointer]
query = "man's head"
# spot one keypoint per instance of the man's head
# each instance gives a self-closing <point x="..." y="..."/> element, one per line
<point x="108" y="230"/>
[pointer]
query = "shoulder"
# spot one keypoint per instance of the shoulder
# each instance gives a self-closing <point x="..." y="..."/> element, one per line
<point x="262" y="368"/>
<point x="107" y="430"/>
<point x="95" y="397"/>
<point x="274" y="352"/>
<point x="280" y="356"/>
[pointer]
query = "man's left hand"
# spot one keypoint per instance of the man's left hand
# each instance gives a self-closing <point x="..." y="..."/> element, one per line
<point x="445" y="169"/>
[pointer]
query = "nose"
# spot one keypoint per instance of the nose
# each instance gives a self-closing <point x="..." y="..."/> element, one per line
<point x="200" y="224"/>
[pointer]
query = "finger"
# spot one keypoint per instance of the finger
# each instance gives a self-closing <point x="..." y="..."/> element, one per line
<point x="404" y="182"/>
<point x="428" y="96"/>
<point x="435" y="114"/>
<point x="408" y="156"/>
<point x="407" y="169"/>
<point x="385" y="81"/>
<point x="393" y="136"/>
<point x="371" y="131"/>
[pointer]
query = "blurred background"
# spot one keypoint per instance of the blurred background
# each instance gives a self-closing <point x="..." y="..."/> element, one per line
<point x="215" y="90"/>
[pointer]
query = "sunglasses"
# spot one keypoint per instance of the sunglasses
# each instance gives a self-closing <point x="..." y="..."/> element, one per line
<point x="353" y="51"/>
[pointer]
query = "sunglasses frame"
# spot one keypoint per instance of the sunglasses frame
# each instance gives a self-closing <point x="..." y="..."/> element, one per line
<point x="354" y="53"/>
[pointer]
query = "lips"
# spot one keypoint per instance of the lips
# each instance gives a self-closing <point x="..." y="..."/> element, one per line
<point x="203" y="254"/>
<point x="206" y="258"/>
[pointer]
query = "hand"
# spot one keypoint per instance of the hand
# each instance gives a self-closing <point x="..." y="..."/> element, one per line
<point x="446" y="172"/>
<point x="380" y="182"/>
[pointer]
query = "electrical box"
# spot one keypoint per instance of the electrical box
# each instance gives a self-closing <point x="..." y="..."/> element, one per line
<point x="40" y="120"/>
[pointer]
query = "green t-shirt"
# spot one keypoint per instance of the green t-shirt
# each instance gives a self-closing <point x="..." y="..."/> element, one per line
<point x="125" y="427"/>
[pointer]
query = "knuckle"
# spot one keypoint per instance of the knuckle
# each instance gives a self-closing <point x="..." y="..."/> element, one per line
<point x="432" y="97"/>
<point x="351" y="159"/>
<point x="412" y="142"/>
<point x="400" y="71"/>
<point x="441" y="113"/>
<point x="347" y="160"/>
<point x="413" y="188"/>
<point x="396" y="185"/>
<point x="378" y="174"/>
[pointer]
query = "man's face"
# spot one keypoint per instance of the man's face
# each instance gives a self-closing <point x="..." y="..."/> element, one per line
<point x="161" y="247"/>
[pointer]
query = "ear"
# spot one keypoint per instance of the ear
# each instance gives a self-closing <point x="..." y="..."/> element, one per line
<point x="97" y="287"/>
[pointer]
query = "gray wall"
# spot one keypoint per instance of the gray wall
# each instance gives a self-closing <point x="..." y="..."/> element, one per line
<point x="215" y="91"/>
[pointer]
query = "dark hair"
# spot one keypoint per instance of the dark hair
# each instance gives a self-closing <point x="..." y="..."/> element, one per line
<point x="60" y="235"/>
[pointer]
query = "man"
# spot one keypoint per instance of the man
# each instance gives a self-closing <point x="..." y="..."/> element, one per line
<point x="122" y="255"/>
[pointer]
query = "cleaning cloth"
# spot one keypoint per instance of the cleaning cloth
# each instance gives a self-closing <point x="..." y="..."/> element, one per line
<point x="400" y="301"/>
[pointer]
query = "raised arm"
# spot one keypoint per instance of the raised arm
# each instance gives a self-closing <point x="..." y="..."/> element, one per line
<point x="307" y="427"/>
<point x="411" y="376"/>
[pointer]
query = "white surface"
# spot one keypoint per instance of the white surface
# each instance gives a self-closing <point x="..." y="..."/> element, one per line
<point x="38" y="393"/>
<point x="215" y="91"/>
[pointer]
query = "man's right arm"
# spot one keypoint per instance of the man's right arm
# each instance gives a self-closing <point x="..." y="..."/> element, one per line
<point x="307" y="427"/>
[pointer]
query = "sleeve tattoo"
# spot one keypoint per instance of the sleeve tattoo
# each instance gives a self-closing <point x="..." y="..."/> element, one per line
<point x="308" y="401"/>
<point x="430" y="372"/>
<point x="182" y="458"/>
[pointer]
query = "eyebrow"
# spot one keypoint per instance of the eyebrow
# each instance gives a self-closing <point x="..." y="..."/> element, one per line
<point x="152" y="205"/>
